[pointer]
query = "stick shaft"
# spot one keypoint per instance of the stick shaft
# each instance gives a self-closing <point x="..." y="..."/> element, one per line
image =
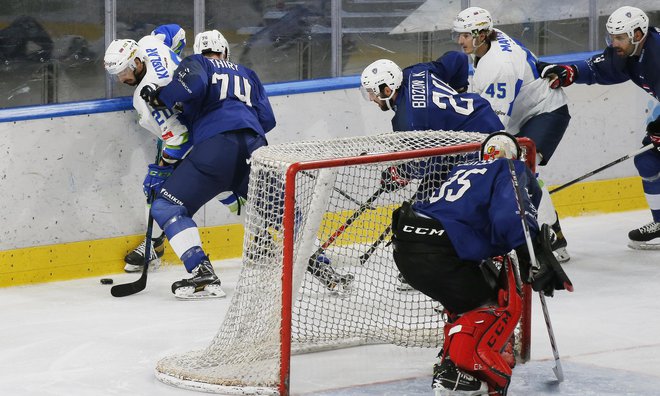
<point x="602" y="168"/>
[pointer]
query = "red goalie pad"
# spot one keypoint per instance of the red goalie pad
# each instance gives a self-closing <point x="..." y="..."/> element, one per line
<point x="476" y="340"/>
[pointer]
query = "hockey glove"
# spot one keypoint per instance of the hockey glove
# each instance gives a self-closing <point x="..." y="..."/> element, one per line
<point x="156" y="176"/>
<point x="559" y="75"/>
<point x="653" y="132"/>
<point x="149" y="93"/>
<point x="549" y="276"/>
<point x="392" y="179"/>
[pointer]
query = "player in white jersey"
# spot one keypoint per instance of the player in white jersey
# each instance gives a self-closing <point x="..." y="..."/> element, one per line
<point x="505" y="73"/>
<point x="151" y="60"/>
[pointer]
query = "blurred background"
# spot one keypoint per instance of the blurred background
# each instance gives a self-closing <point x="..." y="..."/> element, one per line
<point x="51" y="51"/>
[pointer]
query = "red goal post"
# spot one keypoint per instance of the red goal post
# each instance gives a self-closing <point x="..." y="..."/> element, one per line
<point x="297" y="198"/>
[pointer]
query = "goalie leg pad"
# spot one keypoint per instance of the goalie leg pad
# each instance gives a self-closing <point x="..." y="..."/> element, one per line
<point x="478" y="338"/>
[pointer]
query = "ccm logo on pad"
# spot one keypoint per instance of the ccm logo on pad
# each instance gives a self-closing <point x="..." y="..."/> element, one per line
<point x="422" y="230"/>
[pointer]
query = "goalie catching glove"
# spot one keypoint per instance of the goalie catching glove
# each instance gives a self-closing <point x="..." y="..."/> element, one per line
<point x="549" y="276"/>
<point x="393" y="179"/>
<point x="149" y="93"/>
<point x="559" y="75"/>
<point x="653" y="132"/>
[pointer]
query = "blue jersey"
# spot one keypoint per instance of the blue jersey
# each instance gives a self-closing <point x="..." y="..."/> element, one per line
<point x="426" y="102"/>
<point x="218" y="96"/>
<point x="609" y="68"/>
<point x="478" y="209"/>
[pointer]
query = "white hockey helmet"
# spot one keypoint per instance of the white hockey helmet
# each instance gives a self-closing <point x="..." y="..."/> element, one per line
<point x="626" y="20"/>
<point x="472" y="20"/>
<point x="500" y="145"/>
<point x="211" y="41"/>
<point x="120" y="57"/>
<point x="382" y="71"/>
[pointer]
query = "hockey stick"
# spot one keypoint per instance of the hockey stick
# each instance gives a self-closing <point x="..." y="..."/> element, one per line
<point x="559" y="372"/>
<point x="364" y="257"/>
<point x="338" y="190"/>
<point x="363" y="207"/>
<point x="602" y="168"/>
<point x="137" y="286"/>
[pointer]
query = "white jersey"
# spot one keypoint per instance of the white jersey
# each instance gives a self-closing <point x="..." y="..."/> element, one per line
<point x="506" y="76"/>
<point x="161" y="63"/>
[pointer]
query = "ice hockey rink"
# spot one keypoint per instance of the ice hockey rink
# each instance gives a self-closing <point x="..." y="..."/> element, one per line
<point x="73" y="338"/>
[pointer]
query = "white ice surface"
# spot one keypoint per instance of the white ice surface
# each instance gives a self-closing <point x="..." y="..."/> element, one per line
<point x="73" y="338"/>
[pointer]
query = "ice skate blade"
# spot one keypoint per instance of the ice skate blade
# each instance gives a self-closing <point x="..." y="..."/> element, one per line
<point x="153" y="266"/>
<point x="209" y="292"/>
<point x="653" y="244"/>
<point x="441" y="391"/>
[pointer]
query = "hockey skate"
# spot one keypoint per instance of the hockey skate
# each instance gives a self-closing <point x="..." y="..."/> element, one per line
<point x="559" y="243"/>
<point x="319" y="266"/>
<point x="646" y="237"/>
<point x="134" y="260"/>
<point x="448" y="380"/>
<point x="204" y="284"/>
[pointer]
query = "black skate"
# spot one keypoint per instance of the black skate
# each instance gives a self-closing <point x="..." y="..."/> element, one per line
<point x="203" y="284"/>
<point x="319" y="266"/>
<point x="134" y="260"/>
<point x="448" y="380"/>
<point x="559" y="243"/>
<point x="646" y="237"/>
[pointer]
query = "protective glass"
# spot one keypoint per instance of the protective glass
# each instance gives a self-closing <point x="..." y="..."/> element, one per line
<point x="611" y="39"/>
<point x="369" y="94"/>
<point x="122" y="75"/>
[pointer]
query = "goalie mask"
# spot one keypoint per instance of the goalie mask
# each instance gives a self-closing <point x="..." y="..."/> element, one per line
<point x="500" y="145"/>
<point x="626" y="20"/>
<point x="381" y="72"/>
<point x="119" y="59"/>
<point x="211" y="41"/>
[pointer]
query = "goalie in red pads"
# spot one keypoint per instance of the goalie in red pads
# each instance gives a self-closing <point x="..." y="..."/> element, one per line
<point x="444" y="248"/>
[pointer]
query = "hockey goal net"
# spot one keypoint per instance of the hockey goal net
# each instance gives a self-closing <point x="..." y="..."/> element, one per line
<point x="303" y="195"/>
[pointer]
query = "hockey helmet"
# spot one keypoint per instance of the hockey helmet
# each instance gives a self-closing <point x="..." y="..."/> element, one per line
<point x="211" y="41"/>
<point x="500" y="145"/>
<point x="626" y="20"/>
<point x="382" y="71"/>
<point x="472" y="20"/>
<point x="120" y="57"/>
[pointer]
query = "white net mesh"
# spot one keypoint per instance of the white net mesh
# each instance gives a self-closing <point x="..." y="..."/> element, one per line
<point x="244" y="356"/>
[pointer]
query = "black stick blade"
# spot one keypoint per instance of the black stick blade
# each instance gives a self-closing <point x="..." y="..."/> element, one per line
<point x="128" y="289"/>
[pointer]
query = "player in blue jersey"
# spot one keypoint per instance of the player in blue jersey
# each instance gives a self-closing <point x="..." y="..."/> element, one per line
<point x="229" y="114"/>
<point x="426" y="96"/>
<point x="445" y="247"/>
<point x="429" y="96"/>
<point x="633" y="54"/>
<point x="505" y="74"/>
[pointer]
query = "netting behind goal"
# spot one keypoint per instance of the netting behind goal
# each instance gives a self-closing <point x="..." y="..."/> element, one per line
<point x="301" y="196"/>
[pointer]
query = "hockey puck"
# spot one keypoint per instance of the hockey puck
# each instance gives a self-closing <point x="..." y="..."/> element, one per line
<point x="106" y="281"/>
